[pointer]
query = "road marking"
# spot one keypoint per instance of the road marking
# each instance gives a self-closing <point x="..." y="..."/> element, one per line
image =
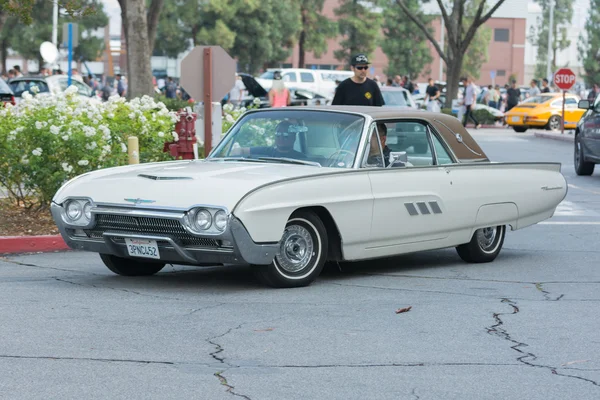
<point x="585" y="190"/>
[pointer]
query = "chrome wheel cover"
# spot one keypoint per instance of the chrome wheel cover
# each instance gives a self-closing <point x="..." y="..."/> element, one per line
<point x="554" y="123"/>
<point x="296" y="249"/>
<point x="486" y="238"/>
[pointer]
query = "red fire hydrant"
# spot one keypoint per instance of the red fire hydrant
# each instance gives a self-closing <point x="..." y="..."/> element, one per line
<point x="186" y="130"/>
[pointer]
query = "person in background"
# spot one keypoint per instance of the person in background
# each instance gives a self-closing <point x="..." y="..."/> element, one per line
<point x="545" y="87"/>
<point x="591" y="95"/>
<point x="469" y="102"/>
<point x="513" y="95"/>
<point x="17" y="71"/>
<point x="389" y="82"/>
<point x="236" y="94"/>
<point x="279" y="95"/>
<point x="534" y="90"/>
<point x="358" y="90"/>
<point x="170" y="89"/>
<point x="492" y="97"/>
<point x="432" y="94"/>
<point x="121" y="89"/>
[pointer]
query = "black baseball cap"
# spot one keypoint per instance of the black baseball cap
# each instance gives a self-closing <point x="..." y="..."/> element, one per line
<point x="359" y="59"/>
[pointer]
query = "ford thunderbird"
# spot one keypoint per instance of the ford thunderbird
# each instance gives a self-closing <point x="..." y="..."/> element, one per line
<point x="287" y="190"/>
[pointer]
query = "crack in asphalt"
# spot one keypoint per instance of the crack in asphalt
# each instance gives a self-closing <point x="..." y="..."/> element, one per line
<point x="214" y="354"/>
<point x="497" y="330"/>
<point x="88" y="359"/>
<point x="204" y="308"/>
<point x="414" y="393"/>
<point x="539" y="286"/>
<point x="409" y="290"/>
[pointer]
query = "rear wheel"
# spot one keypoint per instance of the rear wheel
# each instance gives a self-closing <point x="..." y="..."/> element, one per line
<point x="554" y="123"/>
<point x="582" y="167"/>
<point x="520" y="129"/>
<point x="485" y="245"/>
<point x="127" y="267"/>
<point x="301" y="256"/>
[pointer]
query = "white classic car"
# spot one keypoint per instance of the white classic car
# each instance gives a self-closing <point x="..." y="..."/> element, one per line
<point x="288" y="189"/>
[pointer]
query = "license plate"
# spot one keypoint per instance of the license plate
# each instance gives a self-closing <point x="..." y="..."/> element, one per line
<point x="516" y="119"/>
<point x="142" y="248"/>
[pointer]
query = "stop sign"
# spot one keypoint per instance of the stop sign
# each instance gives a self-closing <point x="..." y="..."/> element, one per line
<point x="223" y="73"/>
<point x="564" y="78"/>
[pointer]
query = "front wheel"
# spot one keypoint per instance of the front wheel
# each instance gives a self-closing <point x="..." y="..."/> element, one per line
<point x="554" y="123"/>
<point x="127" y="267"/>
<point x="582" y="167"/>
<point x="485" y="245"/>
<point x="301" y="256"/>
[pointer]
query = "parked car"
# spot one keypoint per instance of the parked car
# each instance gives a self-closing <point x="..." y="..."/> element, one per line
<point x="299" y="96"/>
<point x="544" y="111"/>
<point x="47" y="85"/>
<point x="587" y="137"/>
<point x="289" y="188"/>
<point x="6" y="93"/>
<point x="321" y="81"/>
<point x="395" y="96"/>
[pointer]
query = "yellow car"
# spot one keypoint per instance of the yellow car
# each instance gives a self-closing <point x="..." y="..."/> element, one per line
<point x="544" y="111"/>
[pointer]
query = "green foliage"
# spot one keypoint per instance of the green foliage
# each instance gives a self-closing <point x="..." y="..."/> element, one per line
<point x="538" y="36"/>
<point x="404" y="44"/>
<point x="317" y="28"/>
<point x="477" y="54"/>
<point x="171" y="35"/>
<point x="173" y="104"/>
<point x="589" y="45"/>
<point x="50" y="139"/>
<point x="360" y="27"/>
<point x="26" y="39"/>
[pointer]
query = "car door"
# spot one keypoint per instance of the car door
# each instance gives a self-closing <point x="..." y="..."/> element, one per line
<point x="410" y="203"/>
<point x="590" y="132"/>
<point x="572" y="112"/>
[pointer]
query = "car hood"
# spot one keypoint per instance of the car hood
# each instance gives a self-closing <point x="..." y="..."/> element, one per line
<point x="181" y="184"/>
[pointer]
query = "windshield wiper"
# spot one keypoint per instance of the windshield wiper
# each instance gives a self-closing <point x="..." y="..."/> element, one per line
<point x="290" y="161"/>
<point x="232" y="159"/>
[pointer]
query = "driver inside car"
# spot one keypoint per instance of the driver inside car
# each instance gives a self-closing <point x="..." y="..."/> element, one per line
<point x="374" y="158"/>
<point x="285" y="138"/>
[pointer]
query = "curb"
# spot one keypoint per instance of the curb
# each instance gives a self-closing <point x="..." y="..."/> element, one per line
<point x="561" y="137"/>
<point x="31" y="244"/>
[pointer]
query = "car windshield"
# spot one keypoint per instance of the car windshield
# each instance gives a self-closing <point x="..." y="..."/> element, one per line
<point x="25" y="85"/>
<point x="537" y="99"/>
<point x="319" y="138"/>
<point x="4" y="88"/>
<point x="395" y="97"/>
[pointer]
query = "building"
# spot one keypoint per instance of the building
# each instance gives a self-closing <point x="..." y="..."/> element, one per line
<point x="506" y="51"/>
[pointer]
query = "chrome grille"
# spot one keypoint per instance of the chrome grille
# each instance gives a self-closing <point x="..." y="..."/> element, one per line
<point x="146" y="226"/>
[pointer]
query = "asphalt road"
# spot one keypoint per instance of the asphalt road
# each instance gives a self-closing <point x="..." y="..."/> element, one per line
<point x="523" y="327"/>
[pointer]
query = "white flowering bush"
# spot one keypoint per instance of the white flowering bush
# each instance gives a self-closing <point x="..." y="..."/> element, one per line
<point x="46" y="140"/>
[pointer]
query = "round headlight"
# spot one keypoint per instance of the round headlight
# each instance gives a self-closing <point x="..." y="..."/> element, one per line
<point x="87" y="210"/>
<point x="74" y="210"/>
<point x="203" y="219"/>
<point x="221" y="220"/>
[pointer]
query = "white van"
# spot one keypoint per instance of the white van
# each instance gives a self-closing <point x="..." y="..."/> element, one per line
<point x="321" y="81"/>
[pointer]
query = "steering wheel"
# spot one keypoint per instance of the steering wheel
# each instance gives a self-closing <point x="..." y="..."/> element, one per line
<point x="335" y="158"/>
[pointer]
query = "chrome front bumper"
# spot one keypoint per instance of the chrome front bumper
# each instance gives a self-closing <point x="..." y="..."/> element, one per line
<point x="233" y="246"/>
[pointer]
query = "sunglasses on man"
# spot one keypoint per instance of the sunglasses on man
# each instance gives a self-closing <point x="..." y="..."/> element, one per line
<point x="362" y="68"/>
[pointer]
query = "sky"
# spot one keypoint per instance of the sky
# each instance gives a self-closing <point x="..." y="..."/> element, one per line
<point x="113" y="10"/>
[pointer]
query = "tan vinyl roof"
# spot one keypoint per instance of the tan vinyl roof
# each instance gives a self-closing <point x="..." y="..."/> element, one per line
<point x="467" y="151"/>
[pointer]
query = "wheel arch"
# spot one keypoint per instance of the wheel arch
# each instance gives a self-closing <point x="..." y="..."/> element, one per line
<point x="334" y="250"/>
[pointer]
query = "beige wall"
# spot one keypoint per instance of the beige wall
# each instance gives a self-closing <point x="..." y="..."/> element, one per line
<point x="503" y="56"/>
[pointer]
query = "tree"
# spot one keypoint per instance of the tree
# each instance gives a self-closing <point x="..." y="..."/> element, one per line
<point x="563" y="14"/>
<point x="359" y="23"/>
<point x="141" y="20"/>
<point x="460" y="32"/>
<point x="589" y="45"/>
<point x="23" y="9"/>
<point x="405" y="47"/>
<point x="477" y="54"/>
<point x="171" y="37"/>
<point x="26" y="39"/>
<point x="265" y="35"/>
<point x="316" y="29"/>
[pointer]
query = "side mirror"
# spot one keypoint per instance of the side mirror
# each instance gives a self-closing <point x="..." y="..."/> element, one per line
<point x="398" y="159"/>
<point x="585" y="104"/>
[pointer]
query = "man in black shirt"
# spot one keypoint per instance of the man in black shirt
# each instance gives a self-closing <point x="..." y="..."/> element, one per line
<point x="513" y="96"/>
<point x="358" y="90"/>
<point x="545" y="87"/>
<point x="432" y="94"/>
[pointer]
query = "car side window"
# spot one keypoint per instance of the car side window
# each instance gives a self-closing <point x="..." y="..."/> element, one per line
<point x="373" y="157"/>
<point x="289" y="77"/>
<point x="571" y="103"/>
<point x="443" y="157"/>
<point x="306" y="77"/>
<point x="411" y="137"/>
